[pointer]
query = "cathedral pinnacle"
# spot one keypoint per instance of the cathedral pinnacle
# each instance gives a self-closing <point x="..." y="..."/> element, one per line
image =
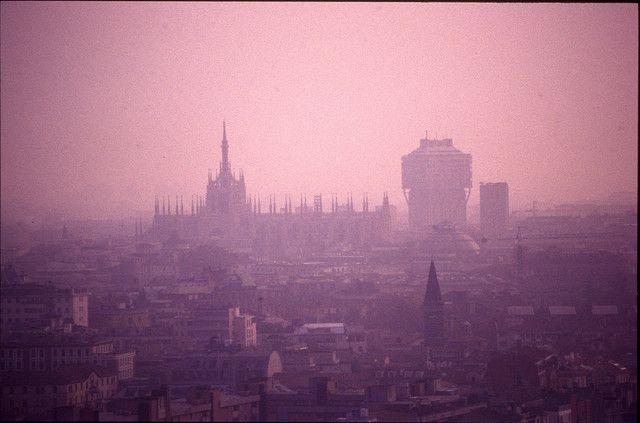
<point x="225" y="150"/>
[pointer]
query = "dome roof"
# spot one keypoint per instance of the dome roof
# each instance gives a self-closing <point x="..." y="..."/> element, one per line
<point x="445" y="240"/>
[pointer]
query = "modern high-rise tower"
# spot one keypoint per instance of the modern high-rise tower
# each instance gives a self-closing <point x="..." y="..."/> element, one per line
<point x="436" y="181"/>
<point x="494" y="209"/>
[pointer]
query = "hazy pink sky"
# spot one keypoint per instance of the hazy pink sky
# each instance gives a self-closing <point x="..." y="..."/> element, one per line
<point x="105" y="105"/>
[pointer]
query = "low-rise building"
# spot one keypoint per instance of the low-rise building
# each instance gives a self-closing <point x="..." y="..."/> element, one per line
<point x="46" y="352"/>
<point x="34" y="395"/>
<point x="36" y="306"/>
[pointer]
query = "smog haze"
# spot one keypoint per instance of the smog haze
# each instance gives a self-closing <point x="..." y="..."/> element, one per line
<point x="105" y="105"/>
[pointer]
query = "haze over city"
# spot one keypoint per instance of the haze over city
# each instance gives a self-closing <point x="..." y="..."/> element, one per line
<point x="105" y="105"/>
<point x="361" y="212"/>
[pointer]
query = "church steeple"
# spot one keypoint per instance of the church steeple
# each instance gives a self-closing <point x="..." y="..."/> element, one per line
<point x="433" y="310"/>
<point x="432" y="294"/>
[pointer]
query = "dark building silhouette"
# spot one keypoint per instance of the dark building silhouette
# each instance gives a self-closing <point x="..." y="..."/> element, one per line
<point x="433" y="310"/>
<point x="494" y="209"/>
<point x="436" y="181"/>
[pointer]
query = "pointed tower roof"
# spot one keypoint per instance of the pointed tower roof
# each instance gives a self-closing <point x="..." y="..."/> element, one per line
<point x="224" y="165"/>
<point x="432" y="294"/>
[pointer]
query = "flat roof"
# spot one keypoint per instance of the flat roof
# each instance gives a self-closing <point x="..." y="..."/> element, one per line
<point x="601" y="310"/>
<point x="562" y="310"/>
<point x="520" y="310"/>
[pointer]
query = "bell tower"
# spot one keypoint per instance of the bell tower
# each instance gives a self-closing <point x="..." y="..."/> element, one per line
<point x="433" y="310"/>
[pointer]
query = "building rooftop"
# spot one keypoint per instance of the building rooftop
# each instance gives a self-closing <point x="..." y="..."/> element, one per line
<point x="436" y="147"/>
<point x="62" y="376"/>
<point x="321" y="328"/>
<point x="603" y="310"/>
<point x="562" y="310"/>
<point x="520" y="310"/>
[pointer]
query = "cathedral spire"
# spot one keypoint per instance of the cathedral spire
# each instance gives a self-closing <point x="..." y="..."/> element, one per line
<point x="225" y="149"/>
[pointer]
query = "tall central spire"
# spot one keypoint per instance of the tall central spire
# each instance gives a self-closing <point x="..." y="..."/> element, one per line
<point x="224" y="167"/>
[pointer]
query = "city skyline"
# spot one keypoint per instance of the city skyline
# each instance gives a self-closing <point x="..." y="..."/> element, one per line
<point x="314" y="106"/>
<point x="338" y="212"/>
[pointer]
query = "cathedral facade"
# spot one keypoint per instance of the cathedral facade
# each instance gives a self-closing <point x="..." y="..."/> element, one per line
<point x="273" y="229"/>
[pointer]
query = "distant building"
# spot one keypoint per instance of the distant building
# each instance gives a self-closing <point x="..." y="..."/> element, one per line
<point x="238" y="222"/>
<point x="436" y="179"/>
<point x="235" y="370"/>
<point x="48" y="352"/>
<point x="494" y="209"/>
<point x="243" y="332"/>
<point x="37" y="395"/>
<point x="32" y="306"/>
